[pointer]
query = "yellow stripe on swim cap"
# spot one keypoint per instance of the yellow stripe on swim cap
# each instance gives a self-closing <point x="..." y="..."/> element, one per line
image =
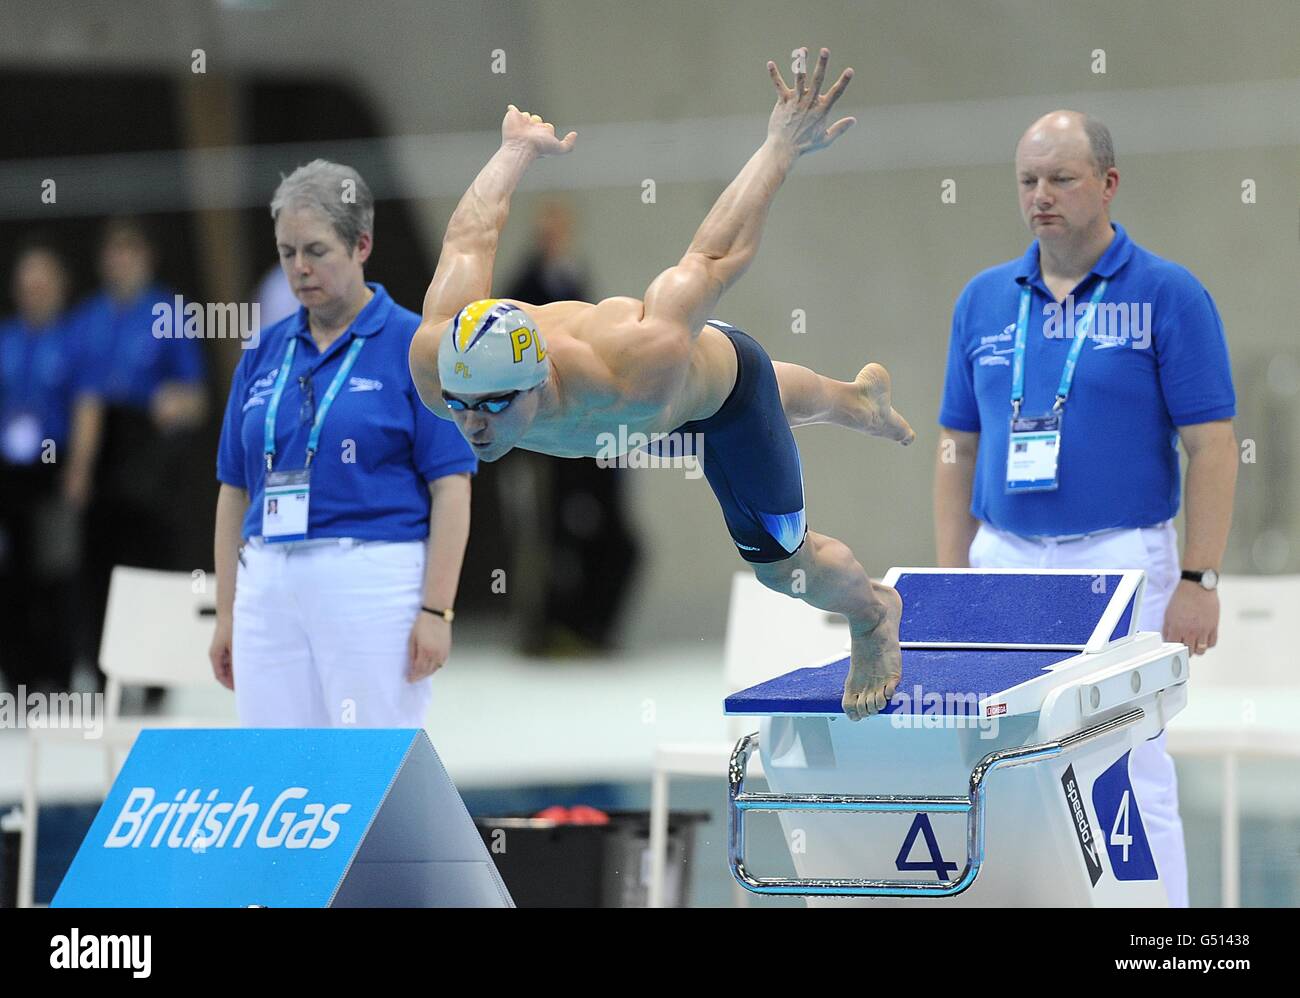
<point x="471" y="315"/>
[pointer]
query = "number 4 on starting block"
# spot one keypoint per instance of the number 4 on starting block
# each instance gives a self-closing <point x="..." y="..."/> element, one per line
<point x="921" y="826"/>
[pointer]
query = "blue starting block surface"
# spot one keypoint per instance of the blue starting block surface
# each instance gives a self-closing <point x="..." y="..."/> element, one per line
<point x="1015" y="609"/>
<point x="949" y="681"/>
<point x="970" y="635"/>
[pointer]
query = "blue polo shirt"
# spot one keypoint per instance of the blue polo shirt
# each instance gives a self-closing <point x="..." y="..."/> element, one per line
<point x="122" y="346"/>
<point x="1134" y="385"/>
<point x="41" y="374"/>
<point x="379" y="445"/>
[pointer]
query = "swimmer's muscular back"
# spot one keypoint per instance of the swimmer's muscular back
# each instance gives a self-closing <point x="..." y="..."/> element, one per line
<point x="648" y="365"/>
<point x="612" y="366"/>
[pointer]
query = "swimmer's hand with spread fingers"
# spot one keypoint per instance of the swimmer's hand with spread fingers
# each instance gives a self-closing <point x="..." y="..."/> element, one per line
<point x="798" y="121"/>
<point x="519" y="128"/>
<point x="469" y="246"/>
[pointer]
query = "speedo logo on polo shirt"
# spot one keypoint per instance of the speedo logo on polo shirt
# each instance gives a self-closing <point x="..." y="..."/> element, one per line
<point x="364" y="385"/>
<point x="199" y="821"/>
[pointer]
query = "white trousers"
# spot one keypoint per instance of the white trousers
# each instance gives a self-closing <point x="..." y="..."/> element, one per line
<point x="1155" y="550"/>
<point x="321" y="634"/>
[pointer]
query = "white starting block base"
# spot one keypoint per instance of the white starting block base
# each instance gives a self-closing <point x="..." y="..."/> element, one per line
<point x="1061" y="829"/>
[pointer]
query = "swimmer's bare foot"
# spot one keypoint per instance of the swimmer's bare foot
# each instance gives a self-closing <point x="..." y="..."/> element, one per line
<point x="875" y="411"/>
<point x="875" y="659"/>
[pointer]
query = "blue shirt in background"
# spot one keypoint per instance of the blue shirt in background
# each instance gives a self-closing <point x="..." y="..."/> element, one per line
<point x="41" y="374"/>
<point x="379" y="445"/>
<point x="129" y="360"/>
<point x="1118" y="462"/>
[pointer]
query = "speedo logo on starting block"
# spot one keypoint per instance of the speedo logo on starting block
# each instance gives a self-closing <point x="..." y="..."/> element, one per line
<point x="195" y="821"/>
<point x="1082" y="826"/>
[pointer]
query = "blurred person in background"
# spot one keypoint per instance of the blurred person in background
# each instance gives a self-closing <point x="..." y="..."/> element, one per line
<point x="41" y="374"/>
<point x="343" y="511"/>
<point x="587" y="552"/>
<point x="274" y="296"/>
<point x="145" y="403"/>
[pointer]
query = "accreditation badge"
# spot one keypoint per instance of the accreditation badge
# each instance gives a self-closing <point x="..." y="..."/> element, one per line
<point x="1032" y="453"/>
<point x="20" y="438"/>
<point x="284" y="505"/>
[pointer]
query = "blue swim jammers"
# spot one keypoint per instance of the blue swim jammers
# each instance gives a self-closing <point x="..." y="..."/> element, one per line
<point x="751" y="460"/>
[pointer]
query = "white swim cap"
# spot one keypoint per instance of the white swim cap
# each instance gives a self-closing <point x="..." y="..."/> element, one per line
<point x="491" y="346"/>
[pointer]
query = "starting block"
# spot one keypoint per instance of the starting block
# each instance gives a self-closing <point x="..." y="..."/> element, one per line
<point x="998" y="773"/>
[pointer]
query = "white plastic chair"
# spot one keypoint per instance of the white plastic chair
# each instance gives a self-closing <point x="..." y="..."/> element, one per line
<point x="768" y="634"/>
<point x="156" y="633"/>
<point x="1244" y="697"/>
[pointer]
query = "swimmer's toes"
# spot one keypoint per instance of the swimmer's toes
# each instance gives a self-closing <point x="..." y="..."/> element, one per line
<point x="903" y="431"/>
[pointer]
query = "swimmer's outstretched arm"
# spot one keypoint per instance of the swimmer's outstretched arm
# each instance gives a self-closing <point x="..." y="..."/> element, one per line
<point x="728" y="239"/>
<point x="469" y="246"/>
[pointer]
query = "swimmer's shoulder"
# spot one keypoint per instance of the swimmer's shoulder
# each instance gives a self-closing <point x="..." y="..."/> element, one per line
<point x="606" y="328"/>
<point x="583" y="320"/>
<point x="422" y="358"/>
<point x="643" y="357"/>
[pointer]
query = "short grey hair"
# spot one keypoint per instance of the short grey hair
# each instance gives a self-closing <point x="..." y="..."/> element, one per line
<point x="336" y="191"/>
<point x="1103" y="149"/>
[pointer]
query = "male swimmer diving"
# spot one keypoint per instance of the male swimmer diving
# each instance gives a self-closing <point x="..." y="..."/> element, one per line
<point x="555" y="378"/>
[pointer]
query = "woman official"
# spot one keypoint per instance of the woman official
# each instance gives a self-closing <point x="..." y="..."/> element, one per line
<point x="344" y="504"/>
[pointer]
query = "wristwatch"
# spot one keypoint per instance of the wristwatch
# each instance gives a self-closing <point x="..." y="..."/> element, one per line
<point x="1208" y="579"/>
<point x="448" y="615"/>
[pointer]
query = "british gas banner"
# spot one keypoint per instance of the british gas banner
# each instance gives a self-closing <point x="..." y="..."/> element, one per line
<point x="281" y="818"/>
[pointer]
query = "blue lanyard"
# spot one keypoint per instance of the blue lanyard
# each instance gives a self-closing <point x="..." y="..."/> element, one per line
<point x="273" y="405"/>
<point x="1071" y="360"/>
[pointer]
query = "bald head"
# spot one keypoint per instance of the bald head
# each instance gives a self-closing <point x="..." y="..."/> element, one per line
<point x="1068" y="134"/>
<point x="1065" y="169"/>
